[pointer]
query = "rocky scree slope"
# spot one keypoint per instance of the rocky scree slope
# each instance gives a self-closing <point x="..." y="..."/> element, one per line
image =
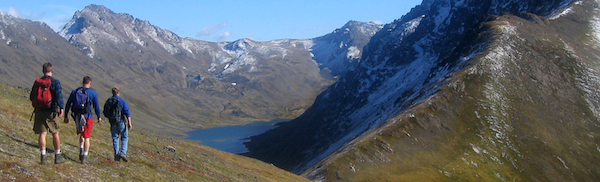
<point x="407" y="62"/>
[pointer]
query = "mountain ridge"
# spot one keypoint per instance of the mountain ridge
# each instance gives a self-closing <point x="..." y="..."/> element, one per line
<point x="398" y="69"/>
<point x="201" y="84"/>
<point x="488" y="124"/>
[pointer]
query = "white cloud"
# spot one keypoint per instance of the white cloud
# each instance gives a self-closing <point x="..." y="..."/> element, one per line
<point x="215" y="32"/>
<point x="14" y="12"/>
<point x="222" y="37"/>
<point x="55" y="21"/>
<point x="379" y="22"/>
<point x="208" y="31"/>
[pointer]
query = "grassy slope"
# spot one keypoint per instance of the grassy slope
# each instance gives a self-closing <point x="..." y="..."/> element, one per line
<point x="151" y="154"/>
<point x="518" y="116"/>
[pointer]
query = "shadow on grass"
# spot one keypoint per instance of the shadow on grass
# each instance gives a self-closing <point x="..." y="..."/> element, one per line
<point x="34" y="145"/>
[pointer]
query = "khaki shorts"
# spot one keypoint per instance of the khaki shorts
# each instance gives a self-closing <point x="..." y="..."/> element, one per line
<point x="45" y="121"/>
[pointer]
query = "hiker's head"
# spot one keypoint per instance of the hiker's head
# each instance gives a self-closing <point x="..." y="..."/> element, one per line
<point x="87" y="81"/>
<point x="47" y="68"/>
<point x="115" y="90"/>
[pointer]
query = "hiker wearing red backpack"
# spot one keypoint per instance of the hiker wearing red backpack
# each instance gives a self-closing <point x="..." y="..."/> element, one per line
<point x="46" y="97"/>
<point x="80" y="102"/>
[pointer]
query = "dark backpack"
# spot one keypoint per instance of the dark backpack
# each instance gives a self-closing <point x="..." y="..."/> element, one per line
<point x="112" y="110"/>
<point x="42" y="97"/>
<point x="81" y="104"/>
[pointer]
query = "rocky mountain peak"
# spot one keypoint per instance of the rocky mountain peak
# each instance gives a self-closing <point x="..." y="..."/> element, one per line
<point x="97" y="22"/>
<point x="9" y="19"/>
<point x="366" y="28"/>
<point x="240" y="45"/>
<point x="98" y="9"/>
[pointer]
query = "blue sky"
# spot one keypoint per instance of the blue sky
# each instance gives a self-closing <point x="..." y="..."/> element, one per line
<point x="225" y="20"/>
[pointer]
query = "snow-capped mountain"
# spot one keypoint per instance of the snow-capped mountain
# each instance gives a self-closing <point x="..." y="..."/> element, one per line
<point x="25" y="45"/>
<point x="218" y="83"/>
<point x="411" y="61"/>
<point x="342" y="49"/>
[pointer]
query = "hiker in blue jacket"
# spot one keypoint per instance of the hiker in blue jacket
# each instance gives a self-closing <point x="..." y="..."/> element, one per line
<point x="86" y="134"/>
<point x="119" y="116"/>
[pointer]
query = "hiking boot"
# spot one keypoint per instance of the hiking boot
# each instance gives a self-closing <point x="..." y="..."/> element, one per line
<point x="124" y="158"/>
<point x="117" y="158"/>
<point x="83" y="159"/>
<point x="59" y="158"/>
<point x="43" y="159"/>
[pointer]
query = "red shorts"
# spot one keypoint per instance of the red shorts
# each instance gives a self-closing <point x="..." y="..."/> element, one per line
<point x="87" y="131"/>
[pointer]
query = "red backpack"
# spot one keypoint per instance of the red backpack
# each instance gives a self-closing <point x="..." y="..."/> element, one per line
<point x="42" y="97"/>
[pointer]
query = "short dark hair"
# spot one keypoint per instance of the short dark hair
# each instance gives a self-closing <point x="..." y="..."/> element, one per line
<point x="47" y="68"/>
<point x="87" y="79"/>
<point x="115" y="90"/>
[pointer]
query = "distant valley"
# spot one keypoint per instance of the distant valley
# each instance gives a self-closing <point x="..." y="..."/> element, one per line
<point x="455" y="90"/>
<point x="181" y="84"/>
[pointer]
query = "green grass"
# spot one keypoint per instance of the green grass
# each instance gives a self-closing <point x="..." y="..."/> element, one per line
<point x="150" y="160"/>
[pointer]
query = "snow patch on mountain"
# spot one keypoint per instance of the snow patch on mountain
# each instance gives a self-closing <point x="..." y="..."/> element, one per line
<point x="595" y="34"/>
<point x="368" y="30"/>
<point x="562" y="11"/>
<point x="129" y="31"/>
<point x="444" y="16"/>
<point x="588" y="79"/>
<point x="353" y="53"/>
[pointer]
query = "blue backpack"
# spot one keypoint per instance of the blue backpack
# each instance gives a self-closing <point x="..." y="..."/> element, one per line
<point x="81" y="105"/>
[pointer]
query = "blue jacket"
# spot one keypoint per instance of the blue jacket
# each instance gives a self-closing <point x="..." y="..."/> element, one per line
<point x="92" y="95"/>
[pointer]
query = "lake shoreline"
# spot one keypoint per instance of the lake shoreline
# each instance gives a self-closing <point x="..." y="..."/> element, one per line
<point x="232" y="138"/>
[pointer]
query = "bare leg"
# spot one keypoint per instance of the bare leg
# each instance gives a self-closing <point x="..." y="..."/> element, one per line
<point x="42" y="141"/>
<point x="81" y="140"/>
<point x="56" y="141"/>
<point x="87" y="145"/>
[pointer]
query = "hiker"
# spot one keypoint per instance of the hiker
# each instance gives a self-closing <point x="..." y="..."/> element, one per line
<point x="117" y="112"/>
<point x="80" y="102"/>
<point x="47" y="110"/>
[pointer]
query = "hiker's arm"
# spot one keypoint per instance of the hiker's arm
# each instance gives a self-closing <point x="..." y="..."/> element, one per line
<point x="61" y="113"/>
<point x="97" y="110"/>
<point x="126" y="112"/>
<point x="68" y="106"/>
<point x="58" y="94"/>
<point x="31" y="93"/>
<point x="129" y="122"/>
<point x="97" y="106"/>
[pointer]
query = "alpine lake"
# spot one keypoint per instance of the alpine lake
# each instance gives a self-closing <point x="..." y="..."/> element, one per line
<point x="231" y="138"/>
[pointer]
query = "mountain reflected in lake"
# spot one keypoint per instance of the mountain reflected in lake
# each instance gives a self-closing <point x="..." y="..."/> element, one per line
<point x="231" y="138"/>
